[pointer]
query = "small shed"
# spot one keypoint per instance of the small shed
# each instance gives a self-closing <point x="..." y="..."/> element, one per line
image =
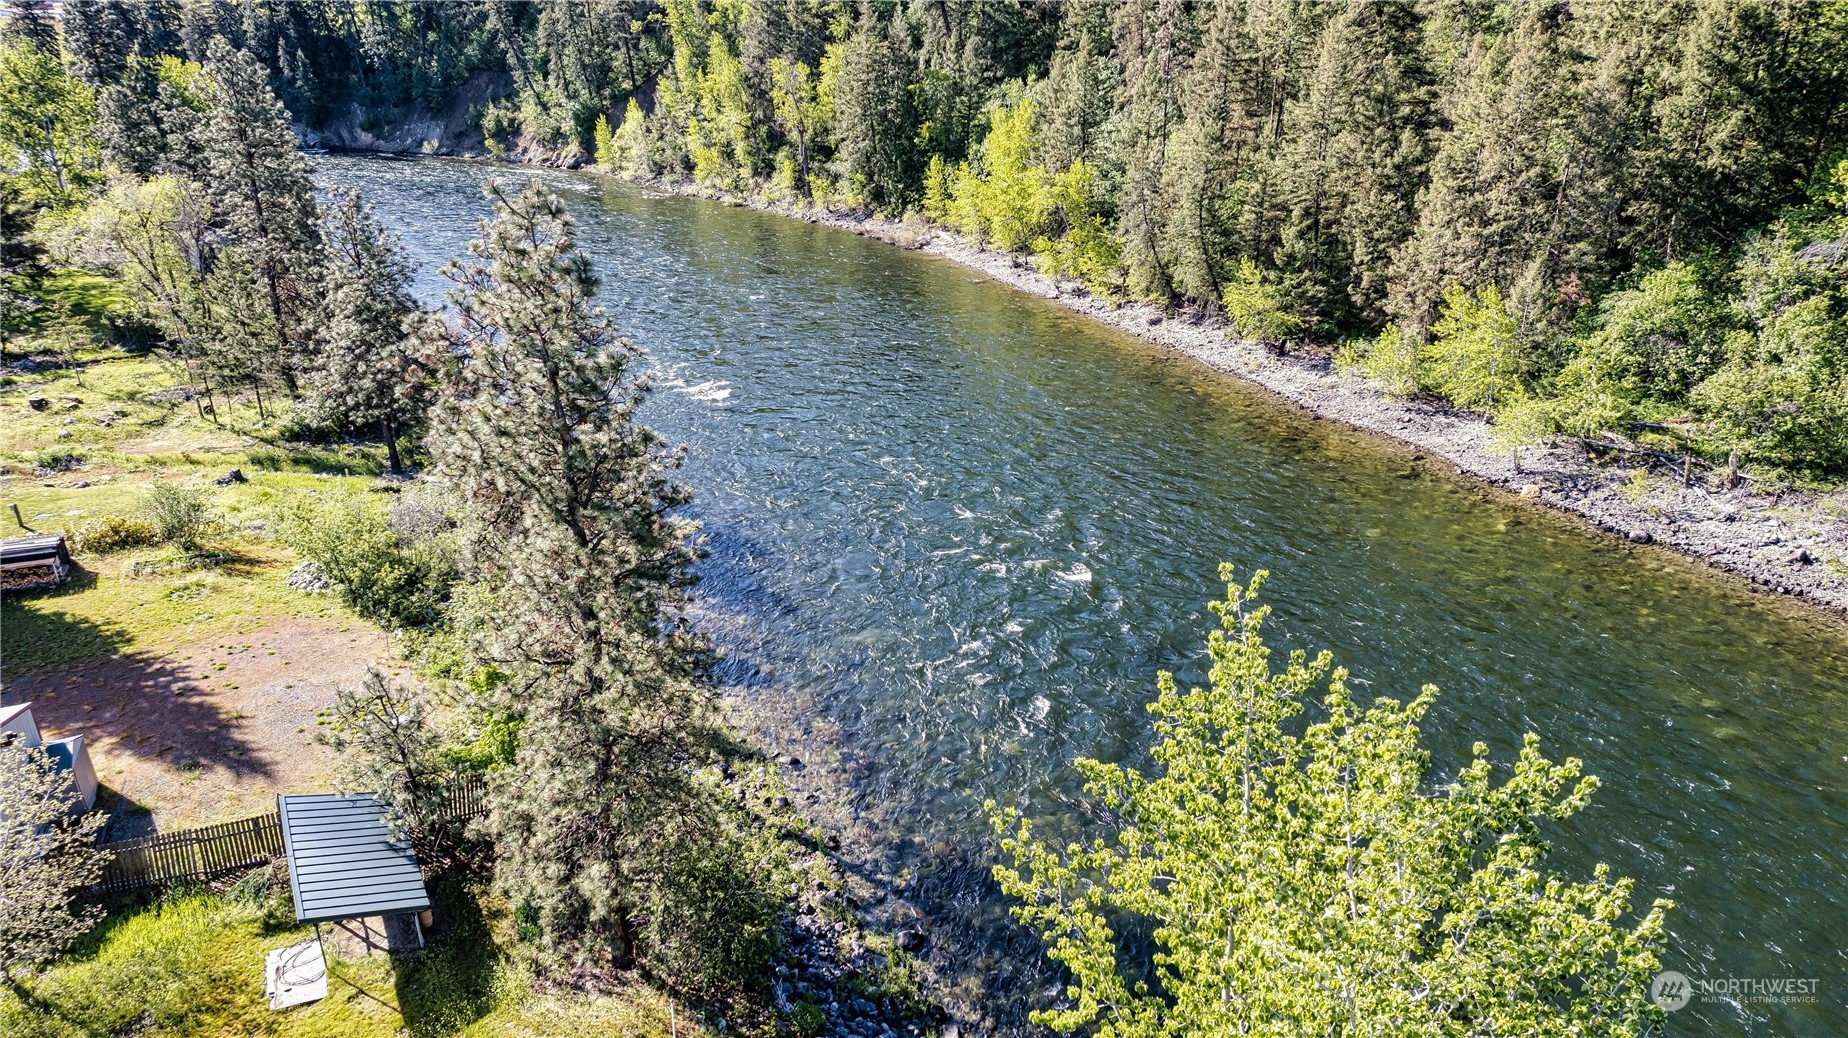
<point x="70" y="754"/>
<point x="28" y="563"/>
<point x="344" y="860"/>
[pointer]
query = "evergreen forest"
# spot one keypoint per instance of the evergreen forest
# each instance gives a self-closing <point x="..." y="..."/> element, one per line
<point x="1586" y="218"/>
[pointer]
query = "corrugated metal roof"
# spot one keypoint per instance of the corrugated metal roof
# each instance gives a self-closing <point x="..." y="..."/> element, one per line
<point x="344" y="862"/>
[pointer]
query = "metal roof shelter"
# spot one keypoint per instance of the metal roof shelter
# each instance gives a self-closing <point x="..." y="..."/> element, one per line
<point x="344" y="862"/>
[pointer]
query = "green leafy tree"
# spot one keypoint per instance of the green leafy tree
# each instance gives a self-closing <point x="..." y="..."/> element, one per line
<point x="47" y="124"/>
<point x="367" y="366"/>
<point x="1474" y="356"/>
<point x="48" y="855"/>
<point x="1315" y="877"/>
<point x="1005" y="199"/>
<point x="798" y="112"/>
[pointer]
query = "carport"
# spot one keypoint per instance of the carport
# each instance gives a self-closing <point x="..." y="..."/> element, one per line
<point x="345" y="862"/>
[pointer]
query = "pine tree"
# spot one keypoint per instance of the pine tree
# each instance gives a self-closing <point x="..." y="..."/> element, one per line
<point x="874" y="118"/>
<point x="1355" y="153"/>
<point x="1488" y="214"/>
<point x="1154" y="41"/>
<point x="31" y="20"/>
<point x="1214" y="155"/>
<point x="262" y="196"/>
<point x="22" y="262"/>
<point x="367" y="368"/>
<point x="1078" y="95"/>
<point x="577" y="562"/>
<point x="389" y="747"/>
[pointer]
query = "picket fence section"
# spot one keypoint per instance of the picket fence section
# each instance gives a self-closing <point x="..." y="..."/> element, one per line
<point x="208" y="853"/>
<point x="192" y="854"/>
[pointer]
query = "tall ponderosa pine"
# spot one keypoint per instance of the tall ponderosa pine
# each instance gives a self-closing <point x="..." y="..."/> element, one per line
<point x="1356" y="148"/>
<point x="1154" y="43"/>
<point x="1078" y="95"/>
<point x="262" y="197"/>
<point x="578" y="570"/>
<point x="1494" y="187"/>
<point x="367" y="367"/>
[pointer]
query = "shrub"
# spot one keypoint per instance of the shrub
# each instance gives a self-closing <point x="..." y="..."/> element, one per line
<point x="113" y="533"/>
<point x="1255" y="307"/>
<point x="56" y="459"/>
<point x="1390" y="358"/>
<point x="179" y="515"/>
<point x="377" y="574"/>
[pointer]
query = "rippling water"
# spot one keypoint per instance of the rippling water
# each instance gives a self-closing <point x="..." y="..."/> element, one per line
<point x="958" y="530"/>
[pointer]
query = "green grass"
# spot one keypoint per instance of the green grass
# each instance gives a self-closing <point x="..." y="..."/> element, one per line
<point x="192" y="967"/>
<point x="105" y="609"/>
<point x="125" y="439"/>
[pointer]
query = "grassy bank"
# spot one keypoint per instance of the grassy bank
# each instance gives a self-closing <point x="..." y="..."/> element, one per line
<point x="88" y="431"/>
<point x="192" y="965"/>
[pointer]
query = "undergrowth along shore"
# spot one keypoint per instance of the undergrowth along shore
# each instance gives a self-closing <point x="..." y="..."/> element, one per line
<point x="1784" y="540"/>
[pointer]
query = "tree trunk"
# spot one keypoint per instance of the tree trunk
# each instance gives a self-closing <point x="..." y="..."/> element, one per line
<point x="390" y="429"/>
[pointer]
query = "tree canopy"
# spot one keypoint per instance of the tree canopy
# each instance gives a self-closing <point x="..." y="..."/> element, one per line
<point x="1305" y="872"/>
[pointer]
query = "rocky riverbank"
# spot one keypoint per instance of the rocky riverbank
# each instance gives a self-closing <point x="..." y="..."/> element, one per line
<point x="1783" y="540"/>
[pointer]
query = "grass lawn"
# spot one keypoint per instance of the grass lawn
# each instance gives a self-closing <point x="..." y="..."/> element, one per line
<point x="111" y="427"/>
<point x="192" y="965"/>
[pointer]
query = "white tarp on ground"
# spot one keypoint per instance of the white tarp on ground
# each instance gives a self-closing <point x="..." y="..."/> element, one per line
<point x="295" y="975"/>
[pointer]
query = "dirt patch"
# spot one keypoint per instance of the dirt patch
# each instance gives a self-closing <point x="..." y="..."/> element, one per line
<point x="207" y="731"/>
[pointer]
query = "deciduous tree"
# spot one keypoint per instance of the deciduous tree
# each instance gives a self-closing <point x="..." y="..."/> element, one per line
<point x="48" y="855"/>
<point x="1312" y="876"/>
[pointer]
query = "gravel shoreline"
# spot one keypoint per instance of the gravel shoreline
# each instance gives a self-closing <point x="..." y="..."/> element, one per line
<point x="1786" y="542"/>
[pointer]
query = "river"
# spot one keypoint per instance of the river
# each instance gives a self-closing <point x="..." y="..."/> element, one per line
<point x="955" y="531"/>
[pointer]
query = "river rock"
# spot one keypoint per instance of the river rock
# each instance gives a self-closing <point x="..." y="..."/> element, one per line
<point x="911" y="940"/>
<point x="233" y="476"/>
<point x="1640" y="537"/>
<point x="1531" y="490"/>
<point x="37" y="403"/>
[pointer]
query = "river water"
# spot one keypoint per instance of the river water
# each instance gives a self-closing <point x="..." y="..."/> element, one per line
<point x="955" y="531"/>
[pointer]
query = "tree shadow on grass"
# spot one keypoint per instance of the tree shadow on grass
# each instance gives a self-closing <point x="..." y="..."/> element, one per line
<point x="453" y="981"/>
<point x="136" y="704"/>
<point x="35" y="633"/>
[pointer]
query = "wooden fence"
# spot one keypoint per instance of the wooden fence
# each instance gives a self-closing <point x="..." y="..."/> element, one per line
<point x="199" y="855"/>
<point x="192" y="854"/>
